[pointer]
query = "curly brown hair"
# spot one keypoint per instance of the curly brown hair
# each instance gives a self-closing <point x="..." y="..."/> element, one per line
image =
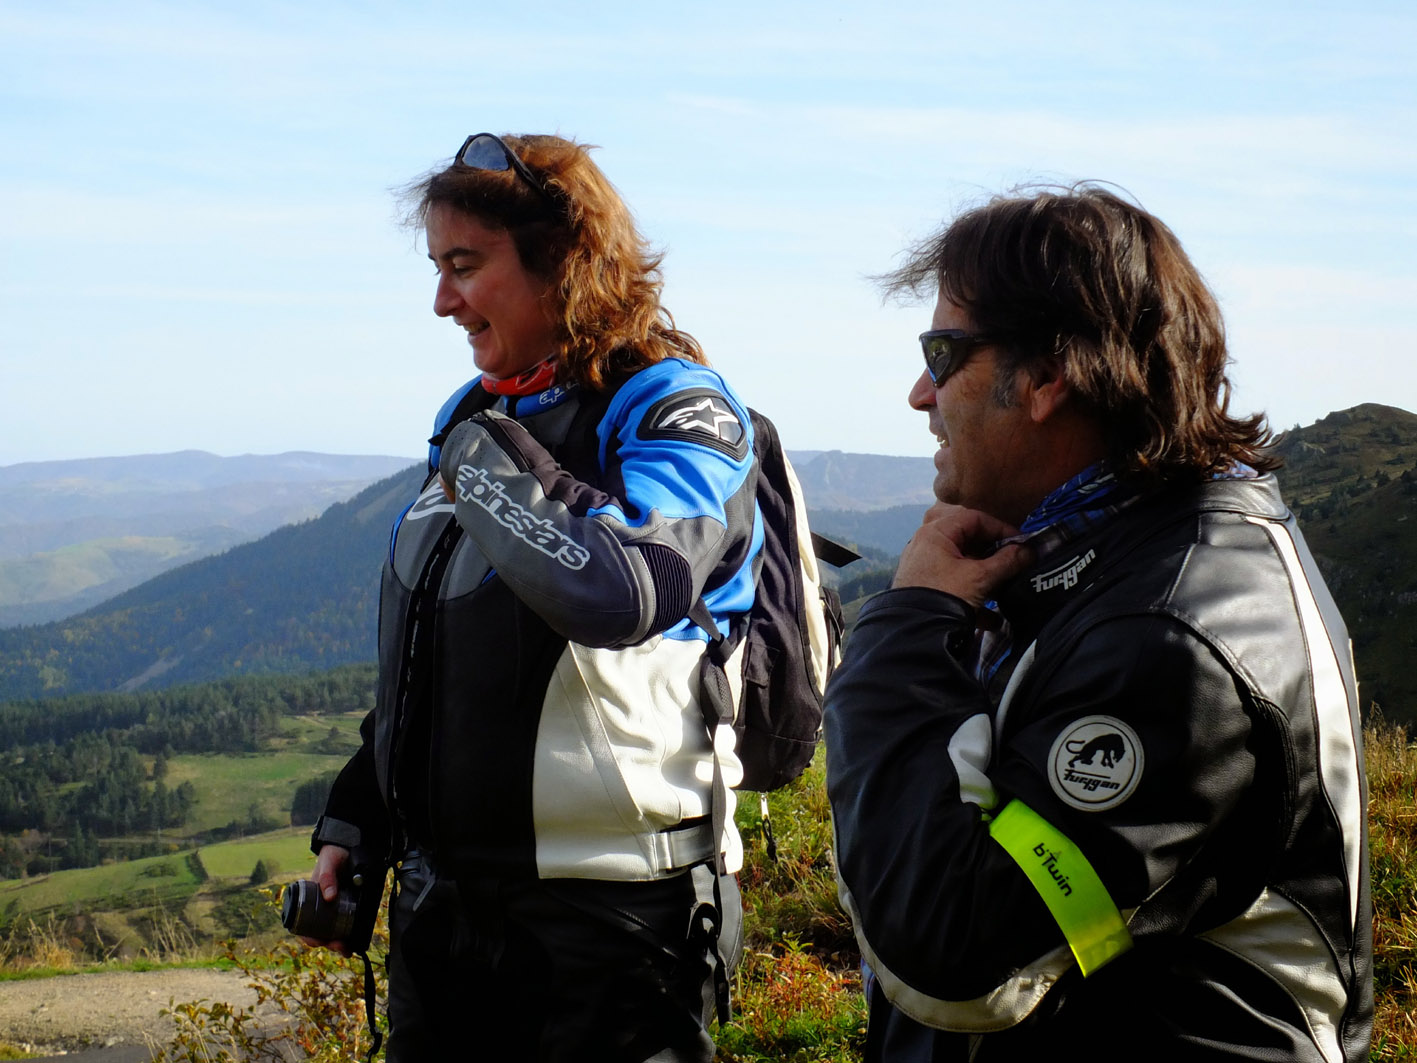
<point x="1080" y="274"/>
<point x="580" y="238"/>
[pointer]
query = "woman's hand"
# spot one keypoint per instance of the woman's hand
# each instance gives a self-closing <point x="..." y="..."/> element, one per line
<point x="329" y="863"/>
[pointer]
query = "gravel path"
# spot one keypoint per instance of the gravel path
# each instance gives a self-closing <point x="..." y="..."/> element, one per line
<point x="112" y="1009"/>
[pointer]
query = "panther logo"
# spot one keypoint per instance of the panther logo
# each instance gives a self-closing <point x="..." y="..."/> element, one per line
<point x="1095" y="763"/>
<point x="1111" y="746"/>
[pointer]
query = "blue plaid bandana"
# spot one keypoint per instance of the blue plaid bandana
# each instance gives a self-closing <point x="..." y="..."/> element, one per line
<point x="1089" y="500"/>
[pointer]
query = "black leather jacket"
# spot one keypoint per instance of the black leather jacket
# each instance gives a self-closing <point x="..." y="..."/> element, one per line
<point x="1182" y="710"/>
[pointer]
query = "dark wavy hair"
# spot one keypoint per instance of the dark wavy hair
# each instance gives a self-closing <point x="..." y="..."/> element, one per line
<point x="583" y="241"/>
<point x="1081" y="275"/>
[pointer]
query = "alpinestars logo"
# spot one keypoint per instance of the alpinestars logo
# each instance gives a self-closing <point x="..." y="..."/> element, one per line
<point x="704" y="416"/>
<point x="1095" y="763"/>
<point x="1065" y="575"/>
<point x="430" y="502"/>
<point x="474" y="485"/>
<point x="698" y="415"/>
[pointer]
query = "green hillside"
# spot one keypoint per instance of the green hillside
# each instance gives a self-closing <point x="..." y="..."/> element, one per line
<point x="54" y="583"/>
<point x="304" y="597"/>
<point x="1344" y="454"/>
<point x="75" y="533"/>
<point x="1352" y="480"/>
<point x="95" y="778"/>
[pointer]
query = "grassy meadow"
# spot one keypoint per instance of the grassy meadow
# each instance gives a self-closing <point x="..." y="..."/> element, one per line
<point x="231" y="786"/>
<point x="179" y="904"/>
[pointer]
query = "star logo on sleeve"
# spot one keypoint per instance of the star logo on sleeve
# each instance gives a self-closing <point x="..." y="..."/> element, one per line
<point x="698" y="415"/>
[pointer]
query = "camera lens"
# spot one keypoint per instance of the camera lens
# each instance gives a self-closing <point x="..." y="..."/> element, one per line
<point x="304" y="911"/>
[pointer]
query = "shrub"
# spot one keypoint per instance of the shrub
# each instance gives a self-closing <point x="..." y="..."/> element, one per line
<point x="790" y="1007"/>
<point x="309" y="1005"/>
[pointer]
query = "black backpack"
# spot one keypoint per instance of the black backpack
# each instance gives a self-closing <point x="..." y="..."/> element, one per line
<point x="781" y="653"/>
<point x="783" y="650"/>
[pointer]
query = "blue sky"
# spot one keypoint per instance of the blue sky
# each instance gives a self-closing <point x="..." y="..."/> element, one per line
<point x="199" y="246"/>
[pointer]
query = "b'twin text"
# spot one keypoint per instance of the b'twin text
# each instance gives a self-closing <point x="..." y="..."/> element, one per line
<point x="1050" y="861"/>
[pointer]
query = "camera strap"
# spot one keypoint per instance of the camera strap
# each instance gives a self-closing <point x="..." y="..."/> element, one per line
<point x="377" y="1038"/>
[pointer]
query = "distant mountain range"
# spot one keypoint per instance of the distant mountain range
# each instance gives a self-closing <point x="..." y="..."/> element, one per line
<point x="305" y="597"/>
<point x="833" y="480"/>
<point x="75" y="533"/>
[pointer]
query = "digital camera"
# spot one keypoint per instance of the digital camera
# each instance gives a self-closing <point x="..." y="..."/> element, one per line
<point x="348" y="918"/>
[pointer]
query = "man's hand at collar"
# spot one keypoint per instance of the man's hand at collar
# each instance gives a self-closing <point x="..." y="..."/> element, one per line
<point x="954" y="551"/>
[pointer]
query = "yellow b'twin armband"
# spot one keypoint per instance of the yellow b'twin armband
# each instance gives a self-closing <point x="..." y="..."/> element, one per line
<point x="1066" y="882"/>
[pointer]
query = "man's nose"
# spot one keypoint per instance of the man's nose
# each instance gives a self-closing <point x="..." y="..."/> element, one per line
<point x="922" y="393"/>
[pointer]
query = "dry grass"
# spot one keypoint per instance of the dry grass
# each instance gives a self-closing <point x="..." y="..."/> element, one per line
<point x="1392" y="838"/>
<point x="47" y="944"/>
<point x="55" y="942"/>
<point x="170" y="939"/>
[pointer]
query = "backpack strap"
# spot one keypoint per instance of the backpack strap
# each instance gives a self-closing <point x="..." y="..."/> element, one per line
<point x="459" y="407"/>
<point x="716" y="703"/>
<point x="836" y="554"/>
<point x="778" y="502"/>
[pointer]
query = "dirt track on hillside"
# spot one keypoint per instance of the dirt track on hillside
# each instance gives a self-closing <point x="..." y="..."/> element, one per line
<point x="69" y="1013"/>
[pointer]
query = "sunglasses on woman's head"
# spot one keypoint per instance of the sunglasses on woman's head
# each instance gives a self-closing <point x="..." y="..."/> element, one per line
<point x="487" y="151"/>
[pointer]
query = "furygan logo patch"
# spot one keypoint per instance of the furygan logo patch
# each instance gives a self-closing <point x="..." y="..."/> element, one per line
<point x="1065" y="575"/>
<point x="474" y="485"/>
<point x="1095" y="763"/>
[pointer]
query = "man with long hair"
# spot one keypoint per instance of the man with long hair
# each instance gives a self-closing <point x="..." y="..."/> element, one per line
<point x="1095" y="758"/>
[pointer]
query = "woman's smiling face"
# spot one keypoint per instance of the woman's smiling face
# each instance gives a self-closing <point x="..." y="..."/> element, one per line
<point x="483" y="286"/>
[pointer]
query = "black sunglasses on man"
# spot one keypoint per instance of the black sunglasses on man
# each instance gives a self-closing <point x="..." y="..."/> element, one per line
<point x="946" y="350"/>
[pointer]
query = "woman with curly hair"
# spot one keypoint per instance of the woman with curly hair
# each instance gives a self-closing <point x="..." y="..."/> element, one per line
<point x="537" y="767"/>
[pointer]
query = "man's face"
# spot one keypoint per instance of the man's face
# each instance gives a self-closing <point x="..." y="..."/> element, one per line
<point x="983" y="458"/>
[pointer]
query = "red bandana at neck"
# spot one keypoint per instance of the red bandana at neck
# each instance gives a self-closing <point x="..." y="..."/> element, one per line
<point x="538" y="378"/>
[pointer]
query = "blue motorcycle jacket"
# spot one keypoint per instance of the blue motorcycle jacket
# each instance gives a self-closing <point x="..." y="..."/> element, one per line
<point x="538" y="708"/>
